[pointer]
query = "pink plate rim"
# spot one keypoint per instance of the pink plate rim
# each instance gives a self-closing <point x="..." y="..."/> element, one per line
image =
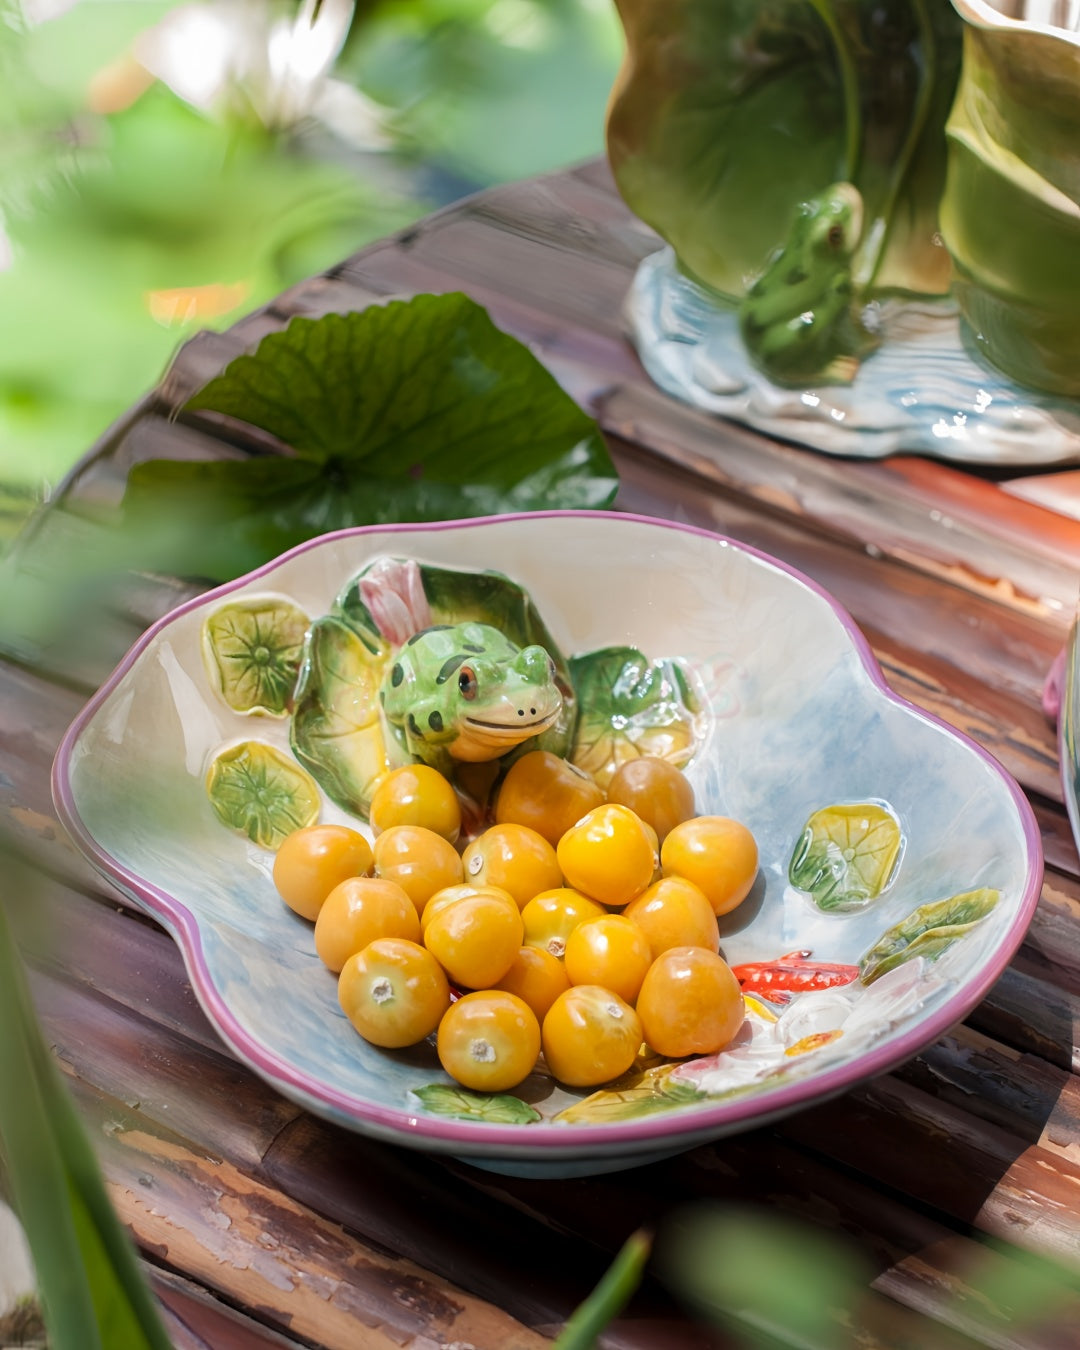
<point x="541" y="1140"/>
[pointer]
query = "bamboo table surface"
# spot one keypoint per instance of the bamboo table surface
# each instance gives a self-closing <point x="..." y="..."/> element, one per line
<point x="262" y="1226"/>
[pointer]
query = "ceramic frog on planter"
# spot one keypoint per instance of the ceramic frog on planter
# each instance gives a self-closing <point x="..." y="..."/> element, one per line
<point x="799" y="319"/>
<point x="416" y="662"/>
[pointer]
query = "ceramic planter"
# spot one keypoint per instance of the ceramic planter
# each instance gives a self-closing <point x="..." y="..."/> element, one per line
<point x="1010" y="214"/>
<point x="869" y="250"/>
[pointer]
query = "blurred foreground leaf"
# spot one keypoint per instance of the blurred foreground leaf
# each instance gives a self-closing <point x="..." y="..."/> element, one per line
<point x="162" y="221"/>
<point x="92" y="1290"/>
<point x="775" y="1281"/>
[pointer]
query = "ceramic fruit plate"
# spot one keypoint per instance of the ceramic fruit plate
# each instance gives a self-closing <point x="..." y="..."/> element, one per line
<point x="899" y="864"/>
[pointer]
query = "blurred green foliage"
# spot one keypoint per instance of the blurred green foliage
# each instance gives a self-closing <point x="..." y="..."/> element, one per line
<point x="489" y="90"/>
<point x="118" y="199"/>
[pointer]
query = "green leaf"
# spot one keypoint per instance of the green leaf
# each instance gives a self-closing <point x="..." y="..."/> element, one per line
<point x="846" y="855"/>
<point x="258" y="792"/>
<point x="461" y="1104"/>
<point x="93" y="1293"/>
<point x="927" y="931"/>
<point x="418" y="410"/>
<point x="630" y="706"/>
<point x="425" y="388"/>
<point x="336" y="728"/>
<point x="730" y="115"/>
<point x="638" y="1095"/>
<point x="254" y="648"/>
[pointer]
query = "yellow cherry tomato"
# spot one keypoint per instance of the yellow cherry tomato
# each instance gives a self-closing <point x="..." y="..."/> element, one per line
<point x="416" y="795"/>
<point x="450" y="895"/>
<point x="547" y="793"/>
<point x="608" y="855"/>
<point x="311" y="862"/>
<point x="537" y="977"/>
<point x="590" y="1036"/>
<point x="489" y="1041"/>
<point x="358" y="911"/>
<point x="612" y="952"/>
<point x="514" y="858"/>
<point x="393" y="992"/>
<point x="690" y="1003"/>
<point x="550" y="917"/>
<point x="419" y="860"/>
<point x="475" y="940"/>
<point x="718" y="855"/>
<point x="673" y="912"/>
<point x="655" y="790"/>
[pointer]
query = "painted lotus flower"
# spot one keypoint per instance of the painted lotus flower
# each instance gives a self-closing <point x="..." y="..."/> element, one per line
<point x="770" y="1045"/>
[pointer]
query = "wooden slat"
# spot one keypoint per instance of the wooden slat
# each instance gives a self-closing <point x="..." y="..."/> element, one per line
<point x="251" y="1245"/>
<point x="323" y="1238"/>
<point x="196" y="1321"/>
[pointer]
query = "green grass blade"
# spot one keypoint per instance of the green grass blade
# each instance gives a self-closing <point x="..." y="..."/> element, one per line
<point x="36" y="1174"/>
<point x="92" y="1289"/>
<point x="610" y="1296"/>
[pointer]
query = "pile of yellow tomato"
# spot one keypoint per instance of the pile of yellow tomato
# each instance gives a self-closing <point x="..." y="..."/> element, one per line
<point x="581" y="924"/>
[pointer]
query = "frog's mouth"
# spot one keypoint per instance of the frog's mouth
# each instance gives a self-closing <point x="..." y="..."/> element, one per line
<point x="487" y="737"/>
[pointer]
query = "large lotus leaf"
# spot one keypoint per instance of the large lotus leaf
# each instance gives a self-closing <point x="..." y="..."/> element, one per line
<point x="483" y="597"/>
<point x="927" y="931"/>
<point x="253" y="649"/>
<point x="629" y="706"/>
<point x="458" y="1103"/>
<point x="846" y="855"/>
<point x="1010" y="215"/>
<point x="259" y="792"/>
<point x="728" y="113"/>
<point x="336" y="728"/>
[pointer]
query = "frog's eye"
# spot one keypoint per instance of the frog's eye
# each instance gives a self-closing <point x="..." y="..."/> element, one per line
<point x="835" y="236"/>
<point x="466" y="682"/>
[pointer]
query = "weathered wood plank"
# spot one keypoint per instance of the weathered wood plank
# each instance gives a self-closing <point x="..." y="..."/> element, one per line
<point x="253" y="1246"/>
<point x="1029" y="1015"/>
<point x="196" y="1321"/>
<point x="414" y="1202"/>
<point x="566" y="214"/>
<point x="176" y="1081"/>
<point x="921" y="1264"/>
<point x="943" y="1157"/>
<point x="864" y="503"/>
<point x="1030" y="1098"/>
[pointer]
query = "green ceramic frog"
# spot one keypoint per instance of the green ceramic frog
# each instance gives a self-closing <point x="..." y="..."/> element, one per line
<point x="799" y="319"/>
<point x="464" y="692"/>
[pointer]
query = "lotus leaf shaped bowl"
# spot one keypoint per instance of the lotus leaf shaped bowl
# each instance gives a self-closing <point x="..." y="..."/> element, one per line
<point x="899" y="864"/>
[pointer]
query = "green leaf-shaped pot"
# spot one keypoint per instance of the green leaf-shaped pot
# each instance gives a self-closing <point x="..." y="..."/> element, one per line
<point x="1010" y="215"/>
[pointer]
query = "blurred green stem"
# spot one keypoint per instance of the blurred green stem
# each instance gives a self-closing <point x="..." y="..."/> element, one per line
<point x="610" y="1296"/>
